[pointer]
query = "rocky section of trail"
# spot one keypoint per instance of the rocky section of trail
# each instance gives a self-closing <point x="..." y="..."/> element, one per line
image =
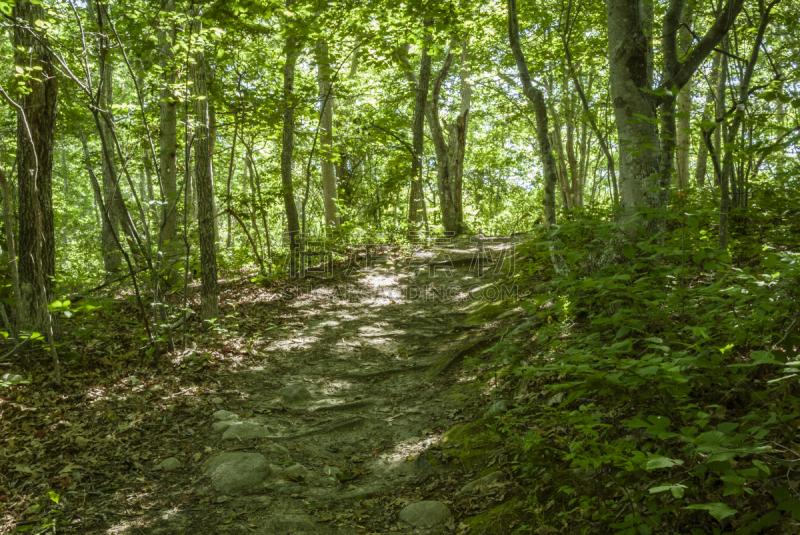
<point x="352" y="439"/>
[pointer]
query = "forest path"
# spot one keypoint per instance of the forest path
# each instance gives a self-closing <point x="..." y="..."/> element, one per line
<point x="320" y="426"/>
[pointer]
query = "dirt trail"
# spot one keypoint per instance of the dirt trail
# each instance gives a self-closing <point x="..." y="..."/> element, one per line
<point x="326" y="443"/>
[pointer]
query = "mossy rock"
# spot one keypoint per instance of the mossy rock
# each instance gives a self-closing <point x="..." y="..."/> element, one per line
<point x="498" y="520"/>
<point x="471" y="443"/>
<point x="471" y="433"/>
<point x="461" y="393"/>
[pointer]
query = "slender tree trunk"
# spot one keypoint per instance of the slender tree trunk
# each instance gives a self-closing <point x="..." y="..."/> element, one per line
<point x="228" y="198"/>
<point x="112" y="259"/>
<point x="209" y="291"/>
<point x="702" y="154"/>
<point x="212" y="144"/>
<point x="536" y="98"/>
<point x="458" y="140"/>
<point x="684" y="132"/>
<point x="293" y="222"/>
<point x="327" y="104"/>
<point x="593" y="122"/>
<point x="168" y="144"/>
<point x="733" y="132"/>
<point x="416" y="199"/>
<point x="721" y="132"/>
<point x="35" y="164"/>
<point x="575" y="180"/>
<point x="563" y="173"/>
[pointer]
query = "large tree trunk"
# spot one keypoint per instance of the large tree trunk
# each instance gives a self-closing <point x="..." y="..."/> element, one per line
<point x="326" y="133"/>
<point x="168" y="146"/>
<point x="293" y="221"/>
<point x="209" y="291"/>
<point x="450" y="153"/>
<point x="646" y="167"/>
<point x="35" y="164"/>
<point x="416" y="197"/>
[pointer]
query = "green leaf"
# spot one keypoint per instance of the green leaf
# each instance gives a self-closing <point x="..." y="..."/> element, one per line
<point x="717" y="510"/>
<point x="676" y="490"/>
<point x="628" y="251"/>
<point x="53" y="496"/>
<point x="699" y="256"/>
<point x="662" y="462"/>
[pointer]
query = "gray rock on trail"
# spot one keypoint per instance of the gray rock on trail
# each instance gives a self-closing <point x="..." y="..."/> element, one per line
<point x="484" y="482"/>
<point x="238" y="473"/>
<point x="425" y="514"/>
<point x="218" y="427"/>
<point x="294" y="393"/>
<point x="296" y="471"/>
<point x="498" y="407"/>
<point x="245" y="431"/>
<point x="225" y="416"/>
<point x="168" y="464"/>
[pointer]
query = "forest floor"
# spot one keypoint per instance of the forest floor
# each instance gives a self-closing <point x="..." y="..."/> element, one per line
<point x="327" y="406"/>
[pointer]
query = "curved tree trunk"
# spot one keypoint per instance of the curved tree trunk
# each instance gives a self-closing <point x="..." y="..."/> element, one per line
<point x="536" y="98"/>
<point x="450" y="153"/>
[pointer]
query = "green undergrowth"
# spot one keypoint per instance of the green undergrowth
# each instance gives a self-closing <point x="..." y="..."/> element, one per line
<point x="656" y="393"/>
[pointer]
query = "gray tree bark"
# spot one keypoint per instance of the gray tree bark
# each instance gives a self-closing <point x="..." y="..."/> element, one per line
<point x="35" y="164"/>
<point x="684" y="133"/>
<point x="112" y="258"/>
<point x="167" y="143"/>
<point x="209" y="291"/>
<point x="702" y="155"/>
<point x="416" y="197"/>
<point x="647" y="158"/>
<point x="536" y="98"/>
<point x="327" y="104"/>
<point x="292" y="219"/>
<point x="450" y="153"/>
<point x="733" y="132"/>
